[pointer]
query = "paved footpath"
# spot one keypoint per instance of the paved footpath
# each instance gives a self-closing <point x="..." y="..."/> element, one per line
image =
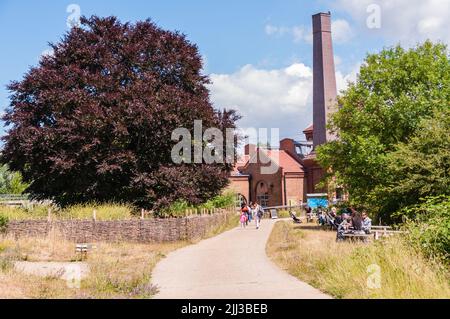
<point x="232" y="265"/>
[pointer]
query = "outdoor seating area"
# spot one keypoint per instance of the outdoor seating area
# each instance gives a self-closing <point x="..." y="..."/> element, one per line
<point x="352" y="225"/>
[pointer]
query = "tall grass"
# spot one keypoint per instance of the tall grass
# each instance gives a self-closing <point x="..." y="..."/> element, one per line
<point x="20" y="213"/>
<point x="108" y="211"/>
<point x="343" y="269"/>
<point x="117" y="270"/>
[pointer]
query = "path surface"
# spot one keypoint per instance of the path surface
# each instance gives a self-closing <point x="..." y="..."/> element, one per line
<point x="232" y="265"/>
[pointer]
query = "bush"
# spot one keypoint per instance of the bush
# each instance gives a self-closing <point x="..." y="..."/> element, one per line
<point x="221" y="201"/>
<point x="179" y="207"/>
<point x="428" y="226"/>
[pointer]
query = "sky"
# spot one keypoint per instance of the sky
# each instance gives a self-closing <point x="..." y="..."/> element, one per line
<point x="257" y="53"/>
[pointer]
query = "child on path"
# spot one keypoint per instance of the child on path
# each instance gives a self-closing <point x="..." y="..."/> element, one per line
<point x="244" y="215"/>
<point x="243" y="219"/>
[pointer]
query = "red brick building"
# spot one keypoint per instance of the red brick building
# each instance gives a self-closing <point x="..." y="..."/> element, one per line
<point x="296" y="172"/>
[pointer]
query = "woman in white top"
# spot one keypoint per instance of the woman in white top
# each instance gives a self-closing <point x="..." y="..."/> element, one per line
<point x="257" y="214"/>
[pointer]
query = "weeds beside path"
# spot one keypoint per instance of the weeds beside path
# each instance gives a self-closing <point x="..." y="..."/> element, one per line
<point x="116" y="270"/>
<point x="343" y="269"/>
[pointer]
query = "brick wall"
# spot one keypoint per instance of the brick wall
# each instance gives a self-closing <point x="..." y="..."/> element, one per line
<point x="143" y="231"/>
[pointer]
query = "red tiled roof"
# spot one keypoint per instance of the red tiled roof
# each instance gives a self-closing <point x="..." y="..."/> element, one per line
<point x="280" y="157"/>
<point x="285" y="161"/>
<point x="309" y="129"/>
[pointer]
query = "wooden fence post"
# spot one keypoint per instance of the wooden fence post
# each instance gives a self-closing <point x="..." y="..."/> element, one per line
<point x="94" y="215"/>
<point x="49" y="215"/>
<point x="142" y="213"/>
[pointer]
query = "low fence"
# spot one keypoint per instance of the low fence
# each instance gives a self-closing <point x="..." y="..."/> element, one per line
<point x="136" y="230"/>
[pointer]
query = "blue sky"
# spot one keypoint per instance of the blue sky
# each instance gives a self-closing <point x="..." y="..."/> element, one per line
<point x="247" y="45"/>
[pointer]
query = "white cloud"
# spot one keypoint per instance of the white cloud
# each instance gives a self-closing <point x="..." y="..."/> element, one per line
<point x="404" y="21"/>
<point x="301" y="33"/>
<point x="342" y="80"/>
<point x="297" y="33"/>
<point x="269" y="98"/>
<point x="342" y="32"/>
<point x="266" y="98"/>
<point x="272" y="30"/>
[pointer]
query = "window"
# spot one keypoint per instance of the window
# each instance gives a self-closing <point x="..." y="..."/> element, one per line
<point x="263" y="200"/>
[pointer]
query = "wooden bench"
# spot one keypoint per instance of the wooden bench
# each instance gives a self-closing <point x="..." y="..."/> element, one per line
<point x="376" y="233"/>
<point x="380" y="233"/>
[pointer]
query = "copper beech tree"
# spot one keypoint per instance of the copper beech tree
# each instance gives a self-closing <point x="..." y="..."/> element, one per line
<point x="93" y="121"/>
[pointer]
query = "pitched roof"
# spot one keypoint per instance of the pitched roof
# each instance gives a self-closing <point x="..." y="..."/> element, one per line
<point x="280" y="157"/>
<point x="285" y="161"/>
<point x="309" y="129"/>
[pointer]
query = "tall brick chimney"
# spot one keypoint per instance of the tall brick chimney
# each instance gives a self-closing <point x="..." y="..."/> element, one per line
<point x="324" y="77"/>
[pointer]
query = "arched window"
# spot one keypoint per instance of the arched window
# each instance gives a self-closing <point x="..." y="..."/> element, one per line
<point x="262" y="193"/>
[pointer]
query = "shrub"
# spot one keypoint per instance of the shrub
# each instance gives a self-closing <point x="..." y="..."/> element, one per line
<point x="179" y="207"/>
<point x="428" y="226"/>
<point x="221" y="201"/>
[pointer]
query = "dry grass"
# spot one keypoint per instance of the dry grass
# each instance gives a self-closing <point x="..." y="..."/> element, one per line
<point x="111" y="211"/>
<point x="344" y="269"/>
<point x="117" y="270"/>
<point x="120" y="270"/>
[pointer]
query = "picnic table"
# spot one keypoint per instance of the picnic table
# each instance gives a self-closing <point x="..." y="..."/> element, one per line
<point x="361" y="237"/>
<point x="376" y="232"/>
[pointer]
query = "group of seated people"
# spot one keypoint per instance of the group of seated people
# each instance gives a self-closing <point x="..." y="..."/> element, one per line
<point x="349" y="222"/>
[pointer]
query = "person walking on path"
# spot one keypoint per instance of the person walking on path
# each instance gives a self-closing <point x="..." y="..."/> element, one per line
<point x="258" y="213"/>
<point x="244" y="215"/>
<point x="250" y="212"/>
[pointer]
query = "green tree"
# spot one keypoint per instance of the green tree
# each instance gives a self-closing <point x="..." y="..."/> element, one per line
<point x="11" y="182"/>
<point x="94" y="121"/>
<point x="421" y="167"/>
<point x="395" y="90"/>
